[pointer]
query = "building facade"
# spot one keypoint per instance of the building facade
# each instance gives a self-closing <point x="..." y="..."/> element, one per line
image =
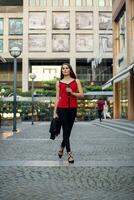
<point x="51" y="32"/>
<point x="123" y="59"/>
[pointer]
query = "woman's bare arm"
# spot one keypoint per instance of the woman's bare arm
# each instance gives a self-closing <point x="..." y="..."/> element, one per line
<point x="56" y="100"/>
<point x="80" y="90"/>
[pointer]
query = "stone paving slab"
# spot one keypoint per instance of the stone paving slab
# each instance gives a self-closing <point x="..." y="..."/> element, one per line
<point x="80" y="130"/>
<point x="82" y="149"/>
<point x="30" y="168"/>
<point x="68" y="183"/>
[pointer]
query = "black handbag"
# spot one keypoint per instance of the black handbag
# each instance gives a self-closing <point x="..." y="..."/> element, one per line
<point x="55" y="128"/>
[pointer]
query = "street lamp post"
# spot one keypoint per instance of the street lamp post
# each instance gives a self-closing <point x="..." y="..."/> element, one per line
<point x="15" y="52"/>
<point x="32" y="76"/>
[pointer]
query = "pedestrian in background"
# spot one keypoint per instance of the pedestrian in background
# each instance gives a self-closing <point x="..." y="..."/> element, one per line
<point x="105" y="109"/>
<point x="67" y="91"/>
<point x="100" y="106"/>
<point x="106" y="113"/>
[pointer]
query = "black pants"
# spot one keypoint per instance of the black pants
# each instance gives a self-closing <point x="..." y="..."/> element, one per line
<point x="67" y="117"/>
<point x="100" y="114"/>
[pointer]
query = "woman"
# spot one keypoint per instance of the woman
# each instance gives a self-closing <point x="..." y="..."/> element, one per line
<point x="67" y="91"/>
<point x="105" y="109"/>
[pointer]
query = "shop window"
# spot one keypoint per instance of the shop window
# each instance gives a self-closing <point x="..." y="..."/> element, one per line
<point x="1" y="26"/>
<point x="1" y="45"/>
<point x="15" y="26"/>
<point x="124" y="99"/>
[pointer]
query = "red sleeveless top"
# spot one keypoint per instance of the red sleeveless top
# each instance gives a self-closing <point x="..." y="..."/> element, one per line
<point x="66" y="100"/>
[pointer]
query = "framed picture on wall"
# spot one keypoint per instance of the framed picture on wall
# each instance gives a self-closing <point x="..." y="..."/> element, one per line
<point x="1" y="45"/>
<point x="84" y="43"/>
<point x="15" y="43"/>
<point x="84" y="20"/>
<point x="106" y="43"/>
<point x="37" y="20"/>
<point x="1" y="26"/>
<point x="105" y="21"/>
<point x="61" y="20"/>
<point x="15" y="26"/>
<point x="37" y="42"/>
<point x="60" y="43"/>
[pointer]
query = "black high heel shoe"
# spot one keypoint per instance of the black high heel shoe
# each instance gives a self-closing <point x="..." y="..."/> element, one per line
<point x="60" y="153"/>
<point x="70" y="157"/>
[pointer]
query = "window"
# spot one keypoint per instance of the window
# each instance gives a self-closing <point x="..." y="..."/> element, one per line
<point x="105" y="43"/>
<point x="84" y="20"/>
<point x="109" y="3"/>
<point x="15" y="43"/>
<point x="89" y="2"/>
<point x="84" y="43"/>
<point x="1" y="45"/>
<point x="84" y="2"/>
<point x="60" y="43"/>
<point x="61" y="20"/>
<point x="105" y="21"/>
<point x="102" y="2"/>
<point x="37" y="20"/>
<point x="37" y="42"/>
<point x="78" y="2"/>
<point x="42" y="2"/>
<point x="1" y="26"/>
<point x="56" y="2"/>
<point x="15" y="26"/>
<point x="66" y="2"/>
<point x="32" y="2"/>
<point x="122" y="32"/>
<point x="132" y="19"/>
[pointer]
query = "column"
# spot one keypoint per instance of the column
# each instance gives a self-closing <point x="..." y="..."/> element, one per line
<point x="116" y="101"/>
<point x="25" y="62"/>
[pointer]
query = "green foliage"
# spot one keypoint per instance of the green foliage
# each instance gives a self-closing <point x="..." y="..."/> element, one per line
<point x="24" y="94"/>
<point x="49" y="89"/>
<point x="110" y="88"/>
<point x="93" y="88"/>
<point x="8" y="89"/>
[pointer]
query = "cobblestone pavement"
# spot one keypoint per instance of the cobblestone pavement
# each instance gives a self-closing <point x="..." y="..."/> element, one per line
<point x="30" y="168"/>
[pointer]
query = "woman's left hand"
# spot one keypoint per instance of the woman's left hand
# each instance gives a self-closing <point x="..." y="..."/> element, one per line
<point x="69" y="90"/>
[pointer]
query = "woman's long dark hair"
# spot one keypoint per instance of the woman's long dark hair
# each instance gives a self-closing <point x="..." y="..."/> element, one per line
<point x="72" y="74"/>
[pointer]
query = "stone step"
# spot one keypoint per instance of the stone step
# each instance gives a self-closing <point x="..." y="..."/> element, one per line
<point x="62" y="163"/>
<point x="123" y="123"/>
<point x="126" y="129"/>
